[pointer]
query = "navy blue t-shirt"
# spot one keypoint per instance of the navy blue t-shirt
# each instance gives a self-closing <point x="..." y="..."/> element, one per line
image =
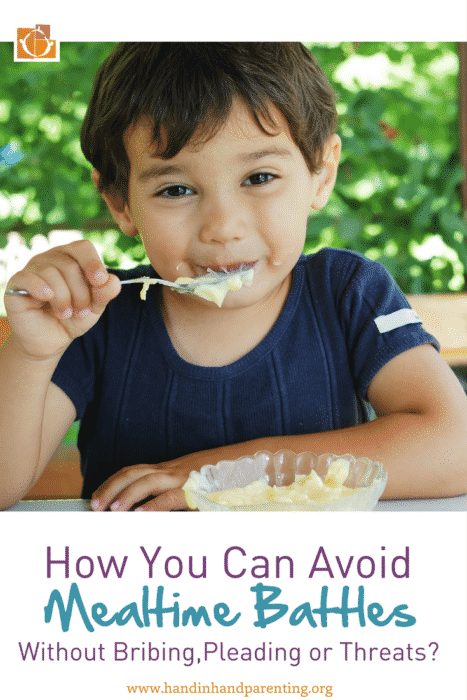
<point x="140" y="402"/>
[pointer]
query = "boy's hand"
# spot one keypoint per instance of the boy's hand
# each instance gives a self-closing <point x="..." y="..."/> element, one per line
<point x="69" y="288"/>
<point x="137" y="483"/>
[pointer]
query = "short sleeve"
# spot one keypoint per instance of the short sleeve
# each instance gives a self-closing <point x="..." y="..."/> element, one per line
<point x="377" y="319"/>
<point x="79" y="367"/>
<point x="99" y="355"/>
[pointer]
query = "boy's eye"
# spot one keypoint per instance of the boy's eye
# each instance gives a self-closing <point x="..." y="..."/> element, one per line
<point x="259" y="179"/>
<point x="174" y="191"/>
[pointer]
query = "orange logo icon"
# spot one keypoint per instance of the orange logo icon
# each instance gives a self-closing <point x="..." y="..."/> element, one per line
<point x="34" y="44"/>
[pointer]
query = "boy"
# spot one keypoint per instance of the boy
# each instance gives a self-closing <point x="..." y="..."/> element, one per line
<point x="214" y="154"/>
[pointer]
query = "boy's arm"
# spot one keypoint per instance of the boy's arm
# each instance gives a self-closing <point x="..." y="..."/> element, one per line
<point x="68" y="290"/>
<point x="35" y="415"/>
<point x="420" y="437"/>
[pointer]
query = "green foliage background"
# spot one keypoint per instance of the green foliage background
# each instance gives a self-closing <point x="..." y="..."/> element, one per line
<point x="397" y="186"/>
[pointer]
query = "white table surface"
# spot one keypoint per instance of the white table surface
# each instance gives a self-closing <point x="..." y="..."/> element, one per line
<point x="457" y="503"/>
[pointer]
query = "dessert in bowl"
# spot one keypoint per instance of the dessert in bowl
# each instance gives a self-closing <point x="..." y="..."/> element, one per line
<point x="286" y="481"/>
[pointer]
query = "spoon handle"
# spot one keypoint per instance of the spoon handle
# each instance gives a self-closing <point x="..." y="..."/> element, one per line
<point x="139" y="280"/>
<point x="155" y="280"/>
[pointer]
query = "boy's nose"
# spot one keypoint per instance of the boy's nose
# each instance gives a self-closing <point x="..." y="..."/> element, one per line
<point x="221" y="226"/>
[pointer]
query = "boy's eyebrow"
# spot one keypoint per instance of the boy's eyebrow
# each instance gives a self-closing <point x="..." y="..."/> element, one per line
<point x="158" y="170"/>
<point x="273" y="151"/>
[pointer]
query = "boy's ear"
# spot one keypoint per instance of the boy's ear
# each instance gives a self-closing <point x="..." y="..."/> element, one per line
<point x="118" y="208"/>
<point x="328" y="173"/>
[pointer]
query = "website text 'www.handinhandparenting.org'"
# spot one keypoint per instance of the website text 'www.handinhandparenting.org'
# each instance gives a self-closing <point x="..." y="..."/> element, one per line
<point x="239" y="689"/>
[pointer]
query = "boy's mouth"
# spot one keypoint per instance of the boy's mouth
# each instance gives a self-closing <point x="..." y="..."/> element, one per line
<point x="230" y="267"/>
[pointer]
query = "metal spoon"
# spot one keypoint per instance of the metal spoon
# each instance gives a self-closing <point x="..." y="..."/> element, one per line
<point x="189" y="288"/>
<point x="185" y="288"/>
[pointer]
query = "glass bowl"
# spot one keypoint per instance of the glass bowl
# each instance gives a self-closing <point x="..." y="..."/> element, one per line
<point x="281" y="469"/>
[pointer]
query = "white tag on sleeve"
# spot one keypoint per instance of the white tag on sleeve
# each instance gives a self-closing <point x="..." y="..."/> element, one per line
<point x="402" y="317"/>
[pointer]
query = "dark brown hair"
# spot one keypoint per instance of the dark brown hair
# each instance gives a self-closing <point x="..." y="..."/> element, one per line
<point x="188" y="89"/>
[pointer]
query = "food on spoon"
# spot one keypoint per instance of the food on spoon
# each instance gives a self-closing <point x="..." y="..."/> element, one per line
<point x="216" y="291"/>
<point x="144" y="288"/>
<point x="305" y="489"/>
<point x="213" y="286"/>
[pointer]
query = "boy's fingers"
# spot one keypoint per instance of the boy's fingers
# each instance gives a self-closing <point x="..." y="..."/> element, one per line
<point x="174" y="499"/>
<point x="34" y="284"/>
<point x="66" y="290"/>
<point x="62" y="295"/>
<point x="110" y="490"/>
<point x="152" y="484"/>
<point x="72" y="272"/>
<point x="86" y="255"/>
<point x="100" y="296"/>
<point x="46" y="286"/>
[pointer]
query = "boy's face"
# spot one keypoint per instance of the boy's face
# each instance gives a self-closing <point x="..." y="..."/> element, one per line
<point x="243" y="196"/>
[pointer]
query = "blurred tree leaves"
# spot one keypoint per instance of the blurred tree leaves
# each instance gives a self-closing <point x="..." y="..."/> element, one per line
<point x="42" y="106"/>
<point x="397" y="184"/>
